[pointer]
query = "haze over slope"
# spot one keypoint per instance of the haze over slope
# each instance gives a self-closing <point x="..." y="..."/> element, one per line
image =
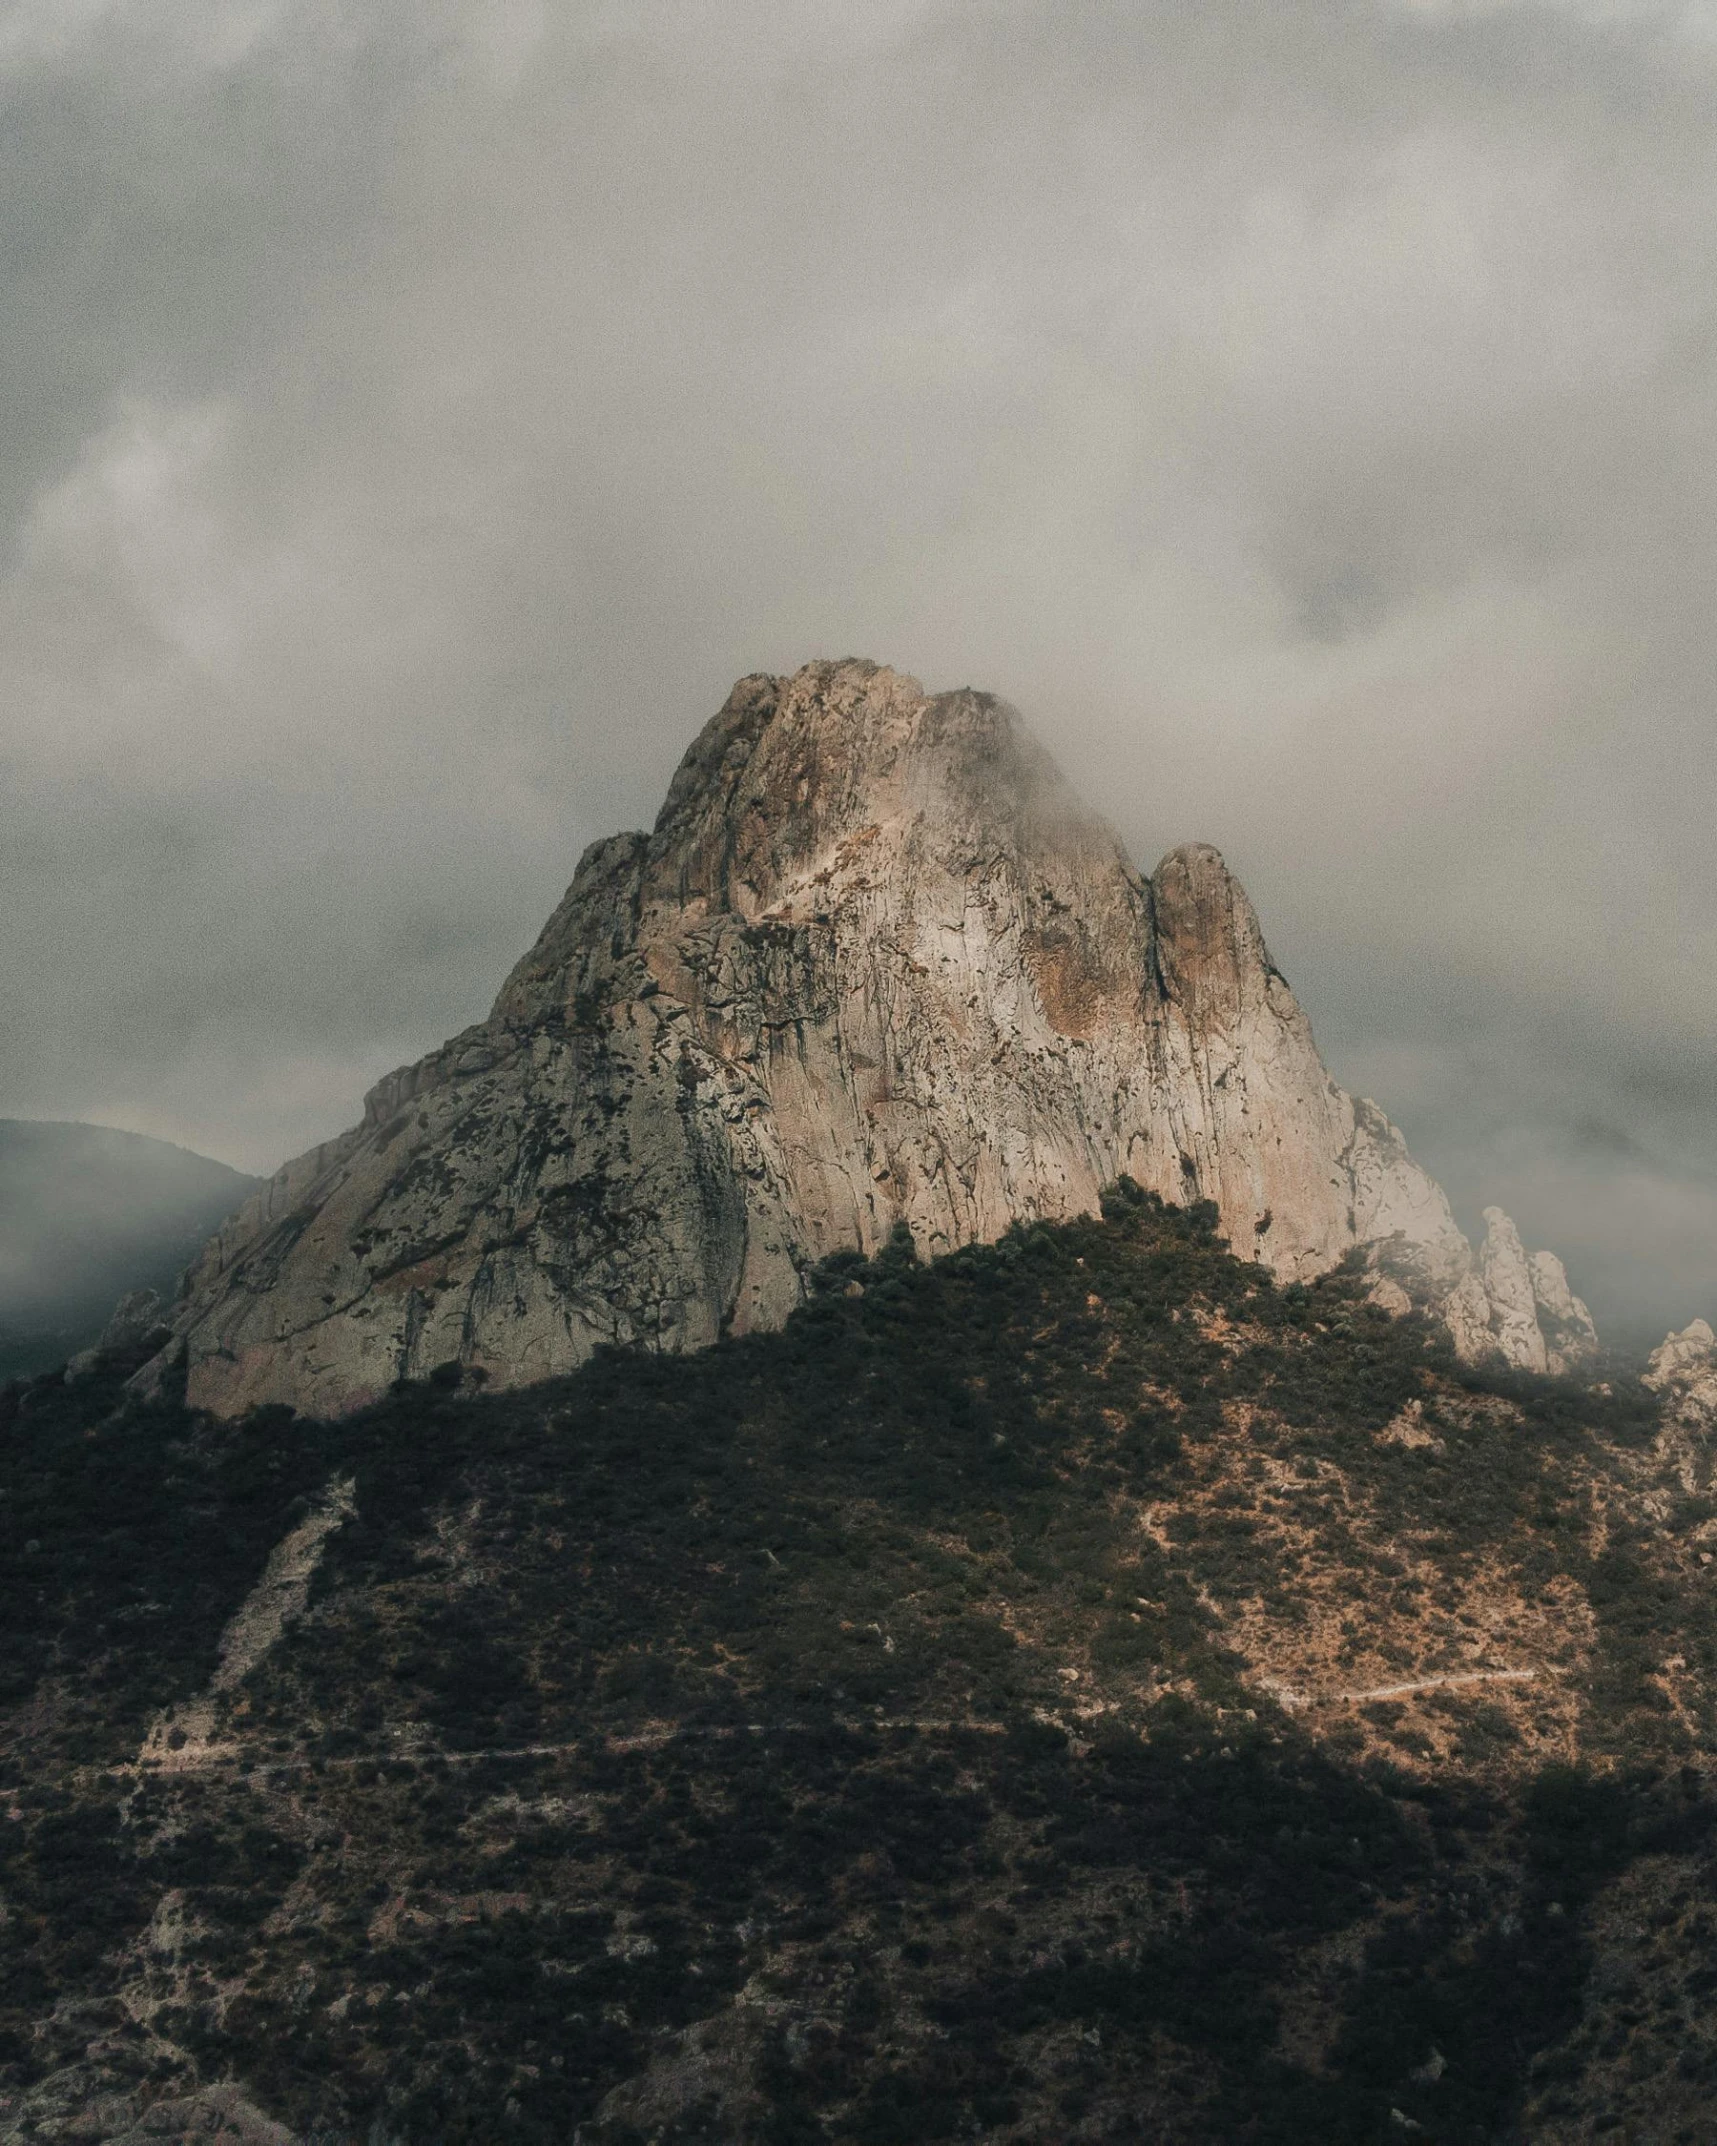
<point x="86" y="1214"/>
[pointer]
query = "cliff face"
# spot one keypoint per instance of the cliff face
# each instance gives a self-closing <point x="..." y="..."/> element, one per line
<point x="875" y="964"/>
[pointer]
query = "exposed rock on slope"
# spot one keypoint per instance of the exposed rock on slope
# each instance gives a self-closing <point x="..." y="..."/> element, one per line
<point x="876" y="964"/>
<point x="1570" y="1338"/>
<point x="1686" y="1364"/>
<point x="1537" y="1323"/>
<point x="1683" y="1369"/>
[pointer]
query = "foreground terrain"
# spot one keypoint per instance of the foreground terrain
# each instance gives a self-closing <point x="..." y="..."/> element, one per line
<point x="1077" y="1690"/>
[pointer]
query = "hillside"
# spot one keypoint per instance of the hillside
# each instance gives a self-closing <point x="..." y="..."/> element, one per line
<point x="88" y="1214"/>
<point x="1078" y="1689"/>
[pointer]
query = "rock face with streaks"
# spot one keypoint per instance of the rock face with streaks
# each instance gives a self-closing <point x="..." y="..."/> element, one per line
<point x="1536" y="1321"/>
<point x="1570" y="1339"/>
<point x="1508" y="1284"/>
<point x="875" y="965"/>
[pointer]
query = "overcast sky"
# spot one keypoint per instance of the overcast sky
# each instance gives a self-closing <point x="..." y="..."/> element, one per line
<point x="415" y="415"/>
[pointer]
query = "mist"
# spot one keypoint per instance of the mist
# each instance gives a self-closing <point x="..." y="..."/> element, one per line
<point x="87" y="1215"/>
<point x="417" y="415"/>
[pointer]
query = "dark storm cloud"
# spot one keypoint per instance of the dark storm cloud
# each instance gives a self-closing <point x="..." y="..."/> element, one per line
<point x="415" y="415"/>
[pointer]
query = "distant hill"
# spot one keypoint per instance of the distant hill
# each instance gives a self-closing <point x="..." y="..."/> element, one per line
<point x="87" y="1213"/>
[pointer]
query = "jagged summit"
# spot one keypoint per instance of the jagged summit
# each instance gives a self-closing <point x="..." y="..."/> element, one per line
<point x="875" y="964"/>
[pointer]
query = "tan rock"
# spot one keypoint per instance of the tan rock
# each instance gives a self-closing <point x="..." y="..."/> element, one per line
<point x="1508" y="1284"/>
<point x="1683" y="1369"/>
<point x="1571" y="1340"/>
<point x="1682" y="1362"/>
<point x="875" y="964"/>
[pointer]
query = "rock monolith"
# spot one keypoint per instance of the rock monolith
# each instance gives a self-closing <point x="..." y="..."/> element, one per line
<point x="875" y="964"/>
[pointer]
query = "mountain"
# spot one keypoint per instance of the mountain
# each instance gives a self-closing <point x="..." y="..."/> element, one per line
<point x="88" y="1215"/>
<point x="875" y="967"/>
<point x="876" y="1514"/>
<point x="1074" y="1689"/>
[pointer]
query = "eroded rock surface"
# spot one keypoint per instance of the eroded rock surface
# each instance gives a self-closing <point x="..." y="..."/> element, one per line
<point x="875" y="964"/>
<point x="1508" y="1284"/>
<point x="1570" y="1338"/>
<point x="1683" y="1368"/>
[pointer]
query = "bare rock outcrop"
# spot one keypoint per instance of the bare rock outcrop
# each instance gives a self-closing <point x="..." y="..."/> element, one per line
<point x="1683" y="1370"/>
<point x="1537" y="1323"/>
<point x="1686" y="1363"/>
<point x="1498" y="1304"/>
<point x="140" y="1320"/>
<point x="1570" y="1338"/>
<point x="1508" y="1284"/>
<point x="875" y="964"/>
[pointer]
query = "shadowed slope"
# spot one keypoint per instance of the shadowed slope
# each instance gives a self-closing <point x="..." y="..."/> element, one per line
<point x="1075" y="1690"/>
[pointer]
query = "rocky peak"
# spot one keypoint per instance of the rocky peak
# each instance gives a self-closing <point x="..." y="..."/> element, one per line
<point x="875" y="964"/>
<point x="1538" y="1323"/>
<point x="1211" y="954"/>
<point x="1683" y="1369"/>
<point x="1570" y="1338"/>
<point x="1681" y="1357"/>
<point x="1508" y="1284"/>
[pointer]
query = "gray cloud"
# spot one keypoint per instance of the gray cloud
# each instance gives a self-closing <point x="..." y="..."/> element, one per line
<point x="416" y="414"/>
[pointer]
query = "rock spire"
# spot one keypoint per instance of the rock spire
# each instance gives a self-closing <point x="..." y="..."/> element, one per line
<point x="875" y="964"/>
<point x="1682" y="1369"/>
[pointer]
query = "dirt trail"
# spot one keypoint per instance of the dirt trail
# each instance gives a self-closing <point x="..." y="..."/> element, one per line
<point x="199" y="1753"/>
<point x="1466" y="1676"/>
<point x="1297" y="1702"/>
<point x="196" y="1757"/>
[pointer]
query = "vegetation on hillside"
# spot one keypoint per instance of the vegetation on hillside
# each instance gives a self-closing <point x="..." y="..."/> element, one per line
<point x="1075" y="1690"/>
